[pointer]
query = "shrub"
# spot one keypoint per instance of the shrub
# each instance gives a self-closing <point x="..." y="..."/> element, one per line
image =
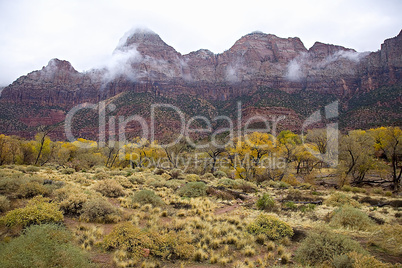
<point x="109" y="188"/>
<point x="339" y="199"/>
<point x="68" y="171"/>
<point x="228" y="183"/>
<point x="32" y="169"/>
<point x="4" y="203"/>
<point x="323" y="245"/>
<point x="135" y="179"/>
<point x="10" y="184"/>
<point x="100" y="176"/>
<point x="352" y="218"/>
<point x="245" y="186"/>
<point x="31" y="189"/>
<point x="265" y="202"/>
<point x="99" y="210"/>
<point x="174" y="184"/>
<point x="42" y="246"/>
<point x="193" y="189"/>
<point x="192" y="177"/>
<point x="74" y="203"/>
<point x="271" y="226"/>
<point x="37" y="211"/>
<point x="208" y="177"/>
<point x="175" y="173"/>
<point x="220" y="174"/>
<point x="147" y="197"/>
<point x="127" y="237"/>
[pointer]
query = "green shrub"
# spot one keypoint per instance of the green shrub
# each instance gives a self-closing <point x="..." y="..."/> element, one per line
<point x="4" y="203"/>
<point x="353" y="218"/>
<point x="271" y="226"/>
<point x="37" y="211"/>
<point x="31" y="189"/>
<point x="109" y="188"/>
<point x="10" y="184"/>
<point x="339" y="199"/>
<point x="147" y="197"/>
<point x="323" y="245"/>
<point x="193" y="189"/>
<point x="99" y="210"/>
<point x="43" y="246"/>
<point x="265" y="202"/>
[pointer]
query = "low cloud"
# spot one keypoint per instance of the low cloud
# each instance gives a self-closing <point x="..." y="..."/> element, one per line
<point x="294" y="72"/>
<point x="120" y="64"/>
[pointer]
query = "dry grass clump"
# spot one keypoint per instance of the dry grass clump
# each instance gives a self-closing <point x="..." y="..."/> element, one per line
<point x="339" y="199"/>
<point x="88" y="236"/>
<point x="109" y="188"/>
<point x="322" y="246"/>
<point x="388" y="238"/>
<point x="99" y="210"/>
<point x="353" y="218"/>
<point x="39" y="210"/>
<point x="4" y="203"/>
<point x="359" y="260"/>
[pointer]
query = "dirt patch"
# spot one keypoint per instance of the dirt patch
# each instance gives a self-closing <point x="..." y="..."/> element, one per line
<point x="226" y="209"/>
<point x="102" y="260"/>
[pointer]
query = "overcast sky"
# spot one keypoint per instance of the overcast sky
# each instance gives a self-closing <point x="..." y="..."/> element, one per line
<point x="86" y="32"/>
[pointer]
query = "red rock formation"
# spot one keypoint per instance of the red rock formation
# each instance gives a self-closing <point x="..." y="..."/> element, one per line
<point x="257" y="59"/>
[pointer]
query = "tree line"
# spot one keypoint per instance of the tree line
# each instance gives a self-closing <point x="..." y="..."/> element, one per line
<point x="255" y="156"/>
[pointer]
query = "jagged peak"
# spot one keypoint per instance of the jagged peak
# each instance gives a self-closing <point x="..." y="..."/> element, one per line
<point x="138" y="36"/>
<point x="56" y="64"/>
<point x="329" y="47"/>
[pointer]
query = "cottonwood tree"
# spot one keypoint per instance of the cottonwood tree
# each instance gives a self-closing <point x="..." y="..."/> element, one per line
<point x="247" y="154"/>
<point x="44" y="148"/>
<point x="389" y="141"/>
<point x="356" y="154"/>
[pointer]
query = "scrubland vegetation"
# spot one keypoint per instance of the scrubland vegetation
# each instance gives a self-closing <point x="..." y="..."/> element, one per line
<point x="65" y="206"/>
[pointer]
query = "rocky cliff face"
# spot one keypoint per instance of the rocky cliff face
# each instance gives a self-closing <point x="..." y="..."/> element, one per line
<point x="145" y="63"/>
<point x="149" y="64"/>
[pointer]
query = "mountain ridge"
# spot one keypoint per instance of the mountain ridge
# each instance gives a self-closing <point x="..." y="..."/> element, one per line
<point x="145" y="63"/>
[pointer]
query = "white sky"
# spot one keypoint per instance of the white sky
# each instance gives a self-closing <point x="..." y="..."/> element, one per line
<point x="86" y="32"/>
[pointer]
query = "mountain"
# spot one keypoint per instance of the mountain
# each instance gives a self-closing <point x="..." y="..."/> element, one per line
<point x="271" y="76"/>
